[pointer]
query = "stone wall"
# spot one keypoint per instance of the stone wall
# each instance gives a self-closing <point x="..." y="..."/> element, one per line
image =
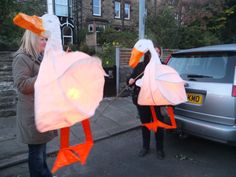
<point x="7" y="91"/>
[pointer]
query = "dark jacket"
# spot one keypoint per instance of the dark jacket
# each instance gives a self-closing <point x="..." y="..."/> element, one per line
<point x="25" y="70"/>
<point x="136" y="75"/>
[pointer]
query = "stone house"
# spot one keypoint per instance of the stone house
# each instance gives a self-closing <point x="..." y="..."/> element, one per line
<point x="93" y="16"/>
<point x="96" y="15"/>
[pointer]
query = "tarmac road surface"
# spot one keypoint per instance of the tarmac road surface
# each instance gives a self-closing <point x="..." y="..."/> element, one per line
<point x="116" y="156"/>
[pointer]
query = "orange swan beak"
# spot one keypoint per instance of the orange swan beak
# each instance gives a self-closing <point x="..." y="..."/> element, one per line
<point x="135" y="57"/>
<point x="32" y="23"/>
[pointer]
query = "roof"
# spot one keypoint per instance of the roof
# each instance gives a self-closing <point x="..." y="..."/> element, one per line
<point x="212" y="48"/>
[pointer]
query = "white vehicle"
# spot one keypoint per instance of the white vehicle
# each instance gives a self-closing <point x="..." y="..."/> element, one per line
<point x="210" y="75"/>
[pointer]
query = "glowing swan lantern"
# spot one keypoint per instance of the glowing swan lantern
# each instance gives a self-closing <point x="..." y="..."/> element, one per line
<point x="160" y="84"/>
<point x="68" y="88"/>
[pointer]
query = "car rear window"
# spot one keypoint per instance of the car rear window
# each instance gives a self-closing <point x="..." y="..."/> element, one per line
<point x="205" y="67"/>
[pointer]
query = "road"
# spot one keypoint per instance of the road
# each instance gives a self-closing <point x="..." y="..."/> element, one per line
<point x="117" y="157"/>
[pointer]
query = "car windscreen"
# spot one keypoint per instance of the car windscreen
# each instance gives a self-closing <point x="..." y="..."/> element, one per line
<point x="205" y="67"/>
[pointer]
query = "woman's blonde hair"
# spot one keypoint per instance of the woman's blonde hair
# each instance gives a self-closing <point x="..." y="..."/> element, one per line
<point x="29" y="44"/>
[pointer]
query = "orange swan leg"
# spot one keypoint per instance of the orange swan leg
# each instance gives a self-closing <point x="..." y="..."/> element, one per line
<point x="156" y="123"/>
<point x="71" y="154"/>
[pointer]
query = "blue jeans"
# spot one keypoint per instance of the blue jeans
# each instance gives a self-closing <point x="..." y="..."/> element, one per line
<point x="37" y="161"/>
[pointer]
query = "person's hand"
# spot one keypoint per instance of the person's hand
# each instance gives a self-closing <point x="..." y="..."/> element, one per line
<point x="68" y="50"/>
<point x="131" y="81"/>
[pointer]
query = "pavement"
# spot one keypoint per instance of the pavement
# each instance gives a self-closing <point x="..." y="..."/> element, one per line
<point x="112" y="117"/>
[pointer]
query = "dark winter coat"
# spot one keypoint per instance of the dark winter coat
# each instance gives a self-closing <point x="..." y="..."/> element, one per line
<point x="25" y="70"/>
<point x="136" y="74"/>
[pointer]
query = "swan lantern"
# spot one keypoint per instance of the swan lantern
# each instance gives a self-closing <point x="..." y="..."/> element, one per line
<point x="160" y="85"/>
<point x="68" y="89"/>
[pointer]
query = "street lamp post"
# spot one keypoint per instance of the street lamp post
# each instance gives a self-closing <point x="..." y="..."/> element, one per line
<point x="141" y="19"/>
<point x="50" y="7"/>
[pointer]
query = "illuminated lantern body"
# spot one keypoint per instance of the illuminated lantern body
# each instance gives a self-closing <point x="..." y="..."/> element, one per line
<point x="160" y="84"/>
<point x="70" y="92"/>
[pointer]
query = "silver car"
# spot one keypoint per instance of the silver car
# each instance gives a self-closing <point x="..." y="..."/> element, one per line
<point x="210" y="75"/>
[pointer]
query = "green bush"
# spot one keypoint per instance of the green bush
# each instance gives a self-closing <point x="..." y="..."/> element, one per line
<point x="110" y="39"/>
<point x="117" y="38"/>
<point x="107" y="55"/>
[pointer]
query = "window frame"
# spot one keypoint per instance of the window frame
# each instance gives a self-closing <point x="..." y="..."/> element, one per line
<point x="115" y="15"/>
<point x="127" y="18"/>
<point x="99" y="8"/>
<point x="67" y="36"/>
<point x="91" y="26"/>
<point x="63" y="4"/>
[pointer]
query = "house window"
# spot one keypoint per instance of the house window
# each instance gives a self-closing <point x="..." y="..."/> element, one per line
<point x="117" y="9"/>
<point x="63" y="8"/>
<point x="90" y="28"/>
<point x="127" y="11"/>
<point x="67" y="35"/>
<point x="97" y="7"/>
<point x="99" y="28"/>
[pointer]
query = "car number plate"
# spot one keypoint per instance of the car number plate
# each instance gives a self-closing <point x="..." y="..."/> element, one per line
<point x="194" y="98"/>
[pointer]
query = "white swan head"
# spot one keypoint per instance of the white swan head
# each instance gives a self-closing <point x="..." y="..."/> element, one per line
<point x="139" y="49"/>
<point x="48" y="26"/>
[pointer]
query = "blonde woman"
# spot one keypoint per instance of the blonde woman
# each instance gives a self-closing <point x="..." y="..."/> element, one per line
<point x="26" y="65"/>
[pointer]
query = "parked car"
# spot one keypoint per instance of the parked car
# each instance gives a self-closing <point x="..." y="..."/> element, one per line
<point x="210" y="75"/>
